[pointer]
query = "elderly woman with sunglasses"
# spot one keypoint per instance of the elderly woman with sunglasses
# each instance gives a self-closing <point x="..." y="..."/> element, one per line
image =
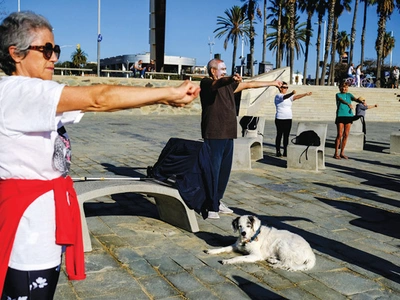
<point x="283" y="116"/>
<point x="39" y="214"/>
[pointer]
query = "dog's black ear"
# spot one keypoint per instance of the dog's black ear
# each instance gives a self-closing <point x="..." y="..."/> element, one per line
<point x="252" y="220"/>
<point x="235" y="224"/>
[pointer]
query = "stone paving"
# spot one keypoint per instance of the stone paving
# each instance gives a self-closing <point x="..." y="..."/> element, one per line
<point x="349" y="213"/>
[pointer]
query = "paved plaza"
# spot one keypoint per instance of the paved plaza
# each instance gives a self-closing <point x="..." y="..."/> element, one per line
<point x="349" y="213"/>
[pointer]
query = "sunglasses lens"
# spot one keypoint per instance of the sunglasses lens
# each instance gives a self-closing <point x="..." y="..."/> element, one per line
<point x="48" y="51"/>
<point x="57" y="51"/>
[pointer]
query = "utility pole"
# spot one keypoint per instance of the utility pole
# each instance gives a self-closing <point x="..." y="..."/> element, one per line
<point x="391" y="51"/>
<point x="210" y="44"/>
<point x="99" y="38"/>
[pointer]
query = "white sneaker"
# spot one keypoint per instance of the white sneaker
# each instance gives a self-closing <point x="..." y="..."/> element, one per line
<point x="213" y="215"/>
<point x="223" y="209"/>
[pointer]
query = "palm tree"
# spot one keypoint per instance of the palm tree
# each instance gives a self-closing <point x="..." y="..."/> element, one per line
<point x="276" y="16"/>
<point x="388" y="45"/>
<point x="353" y="31"/>
<point x="366" y="4"/>
<point x="299" y="39"/>
<point x="79" y="57"/>
<point x="384" y="9"/>
<point x="308" y="6"/>
<point x="331" y="17"/>
<point x="233" y="26"/>
<point x="322" y="7"/>
<point x="342" y="43"/>
<point x="340" y="6"/>
<point x="291" y="12"/>
<point x="264" y="52"/>
<point x="251" y="9"/>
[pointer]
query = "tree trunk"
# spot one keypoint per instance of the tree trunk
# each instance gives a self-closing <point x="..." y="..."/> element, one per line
<point x="318" y="49"/>
<point x="292" y="16"/>
<point x="353" y="32"/>
<point x="379" y="43"/>
<point x="331" y="16"/>
<point x="331" y="78"/>
<point x="363" y="32"/>
<point x="234" y="54"/>
<point x="279" y="38"/>
<point x="308" y="33"/>
<point x="264" y="53"/>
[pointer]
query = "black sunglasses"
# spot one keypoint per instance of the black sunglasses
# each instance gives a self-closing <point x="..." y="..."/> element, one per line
<point x="284" y="87"/>
<point x="47" y="50"/>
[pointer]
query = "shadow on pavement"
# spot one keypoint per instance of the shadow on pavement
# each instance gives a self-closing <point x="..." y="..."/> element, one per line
<point x="386" y="181"/>
<point x="254" y="290"/>
<point x="371" y="218"/>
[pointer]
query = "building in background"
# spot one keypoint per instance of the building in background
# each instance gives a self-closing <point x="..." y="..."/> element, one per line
<point x="172" y="64"/>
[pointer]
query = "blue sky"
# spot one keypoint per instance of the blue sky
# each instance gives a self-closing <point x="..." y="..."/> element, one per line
<point x="189" y="28"/>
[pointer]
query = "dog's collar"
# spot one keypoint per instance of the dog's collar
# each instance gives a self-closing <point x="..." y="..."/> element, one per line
<point x="254" y="237"/>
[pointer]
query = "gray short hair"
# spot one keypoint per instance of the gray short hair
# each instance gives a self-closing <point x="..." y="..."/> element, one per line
<point x="213" y="64"/>
<point x="18" y="30"/>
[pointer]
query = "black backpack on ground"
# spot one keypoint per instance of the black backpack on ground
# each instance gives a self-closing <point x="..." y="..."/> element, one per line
<point x="248" y="123"/>
<point x="307" y="138"/>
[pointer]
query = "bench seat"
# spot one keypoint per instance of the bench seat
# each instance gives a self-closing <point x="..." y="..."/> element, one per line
<point x="171" y="207"/>
<point x="355" y="141"/>
<point x="395" y="142"/>
<point x="249" y="147"/>
<point x="296" y="159"/>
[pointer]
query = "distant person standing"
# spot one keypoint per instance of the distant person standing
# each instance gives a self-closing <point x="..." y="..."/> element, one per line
<point x="350" y="71"/>
<point x="360" y="114"/>
<point x="395" y="75"/>
<point x="358" y="75"/>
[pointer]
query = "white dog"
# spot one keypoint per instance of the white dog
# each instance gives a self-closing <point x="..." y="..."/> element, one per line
<point x="280" y="248"/>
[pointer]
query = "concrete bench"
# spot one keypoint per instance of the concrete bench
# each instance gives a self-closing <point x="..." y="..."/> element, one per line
<point x="316" y="155"/>
<point x="171" y="207"/>
<point x="355" y="141"/>
<point x="248" y="148"/>
<point x="395" y="142"/>
<point x="127" y="73"/>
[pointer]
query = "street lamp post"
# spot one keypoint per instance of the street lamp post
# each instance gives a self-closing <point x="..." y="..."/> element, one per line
<point x="99" y="38"/>
<point x="324" y="33"/>
<point x="210" y="44"/>
<point x="391" y="51"/>
<point x="19" y="6"/>
<point x="242" y="58"/>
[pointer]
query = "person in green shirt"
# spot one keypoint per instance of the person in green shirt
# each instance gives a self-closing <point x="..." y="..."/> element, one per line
<point x="344" y="118"/>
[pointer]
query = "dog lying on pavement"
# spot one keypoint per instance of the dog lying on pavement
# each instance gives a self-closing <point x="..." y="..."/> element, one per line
<point x="280" y="248"/>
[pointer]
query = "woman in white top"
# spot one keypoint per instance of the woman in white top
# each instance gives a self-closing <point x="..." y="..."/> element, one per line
<point x="39" y="213"/>
<point x="283" y="116"/>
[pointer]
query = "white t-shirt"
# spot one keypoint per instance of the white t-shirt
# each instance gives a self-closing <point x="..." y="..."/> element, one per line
<point x="28" y="135"/>
<point x="283" y="107"/>
<point x="350" y="71"/>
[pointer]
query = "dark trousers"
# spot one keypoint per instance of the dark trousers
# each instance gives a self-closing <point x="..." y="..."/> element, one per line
<point x="35" y="285"/>
<point x="221" y="158"/>
<point x="283" y="128"/>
